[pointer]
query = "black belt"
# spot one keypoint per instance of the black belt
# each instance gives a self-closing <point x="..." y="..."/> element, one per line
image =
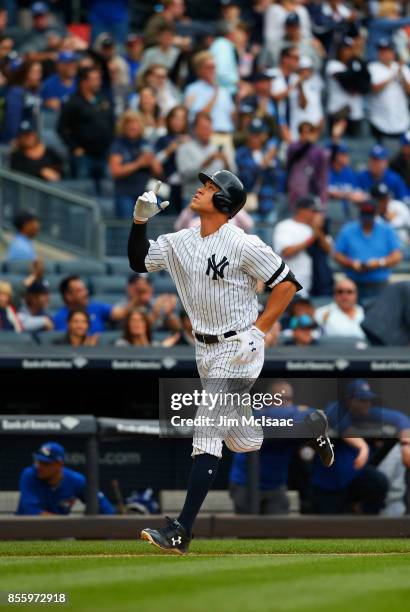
<point x="209" y="339"/>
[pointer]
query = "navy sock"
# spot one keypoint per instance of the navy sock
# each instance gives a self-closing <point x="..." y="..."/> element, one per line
<point x="201" y="478"/>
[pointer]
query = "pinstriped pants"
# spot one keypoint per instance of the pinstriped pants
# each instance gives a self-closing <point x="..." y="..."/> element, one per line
<point x="218" y="375"/>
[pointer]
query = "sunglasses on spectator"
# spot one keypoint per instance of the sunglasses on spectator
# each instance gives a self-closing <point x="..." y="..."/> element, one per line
<point x="348" y="291"/>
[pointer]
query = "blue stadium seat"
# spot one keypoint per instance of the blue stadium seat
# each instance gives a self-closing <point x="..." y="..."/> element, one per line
<point x="119" y="266"/>
<point x="82" y="268"/>
<point x="10" y="337"/>
<point x="109" y="284"/>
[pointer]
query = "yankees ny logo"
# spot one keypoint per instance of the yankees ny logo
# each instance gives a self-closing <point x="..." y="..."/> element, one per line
<point x="176" y="541"/>
<point x="217" y="269"/>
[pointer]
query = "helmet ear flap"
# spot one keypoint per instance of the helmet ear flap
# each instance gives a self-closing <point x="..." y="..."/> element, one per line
<point x="222" y="203"/>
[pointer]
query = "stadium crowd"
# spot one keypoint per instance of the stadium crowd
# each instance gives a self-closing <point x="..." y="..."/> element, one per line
<point x="307" y="101"/>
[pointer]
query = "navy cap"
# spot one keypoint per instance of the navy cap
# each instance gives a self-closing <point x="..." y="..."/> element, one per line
<point x="38" y="288"/>
<point x="309" y="202"/>
<point x="405" y="138"/>
<point x="26" y="127"/>
<point x="385" y="43"/>
<point x="67" y="57"/>
<point x="292" y="19"/>
<point x="246" y="108"/>
<point x="133" y="38"/>
<point x="107" y="41"/>
<point x="346" y="41"/>
<point x="50" y="452"/>
<point x="359" y="389"/>
<point x="380" y="191"/>
<point x="378" y="152"/>
<point x="39" y="8"/>
<point x="257" y="126"/>
<point x="338" y="147"/>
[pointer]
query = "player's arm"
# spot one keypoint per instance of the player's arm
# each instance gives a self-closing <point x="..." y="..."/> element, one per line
<point x="279" y="299"/>
<point x="146" y="206"/>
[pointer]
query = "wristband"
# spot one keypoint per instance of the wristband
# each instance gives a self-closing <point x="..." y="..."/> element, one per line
<point x="405" y="443"/>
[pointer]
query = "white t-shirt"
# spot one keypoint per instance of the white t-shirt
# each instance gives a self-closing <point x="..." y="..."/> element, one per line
<point x="338" y="97"/>
<point x="279" y="85"/>
<point x="388" y="109"/>
<point x="275" y="17"/>
<point x="335" y="322"/>
<point x="400" y="220"/>
<point x="289" y="233"/>
<point x="313" y="112"/>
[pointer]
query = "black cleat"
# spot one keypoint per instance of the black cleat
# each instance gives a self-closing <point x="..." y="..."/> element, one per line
<point x="319" y="426"/>
<point x="172" y="538"/>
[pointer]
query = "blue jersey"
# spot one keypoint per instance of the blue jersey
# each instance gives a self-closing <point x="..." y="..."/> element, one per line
<point x="36" y="496"/>
<point x="355" y="244"/>
<point x="53" y="87"/>
<point x="390" y="178"/>
<point x="344" y="179"/>
<point x="274" y="456"/>
<point x="99" y="315"/>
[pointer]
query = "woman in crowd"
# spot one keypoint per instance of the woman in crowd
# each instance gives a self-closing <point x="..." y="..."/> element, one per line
<point x="132" y="162"/>
<point x="78" y="325"/>
<point x="137" y="330"/>
<point x="148" y="106"/>
<point x="166" y="148"/>
<point x="156" y="77"/>
<point x="31" y="156"/>
<point x="22" y="100"/>
<point x="9" y="320"/>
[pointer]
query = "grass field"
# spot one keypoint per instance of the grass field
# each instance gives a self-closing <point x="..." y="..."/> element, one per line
<point x="218" y="576"/>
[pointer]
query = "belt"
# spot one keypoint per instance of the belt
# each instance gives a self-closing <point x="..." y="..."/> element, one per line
<point x="209" y="339"/>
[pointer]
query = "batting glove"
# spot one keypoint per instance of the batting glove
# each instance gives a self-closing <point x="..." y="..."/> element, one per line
<point x="147" y="205"/>
<point x="251" y="342"/>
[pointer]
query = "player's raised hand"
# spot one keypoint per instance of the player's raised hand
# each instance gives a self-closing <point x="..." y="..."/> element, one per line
<point x="147" y="205"/>
<point x="251" y="344"/>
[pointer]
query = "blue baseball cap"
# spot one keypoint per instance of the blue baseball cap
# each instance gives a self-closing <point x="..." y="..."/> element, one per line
<point x="338" y="147"/>
<point x="360" y="389"/>
<point x="67" y="57"/>
<point x="39" y="8"/>
<point x="50" y="452"/>
<point x="378" y="152"/>
<point x="257" y="126"/>
<point x="405" y="138"/>
<point x="385" y="43"/>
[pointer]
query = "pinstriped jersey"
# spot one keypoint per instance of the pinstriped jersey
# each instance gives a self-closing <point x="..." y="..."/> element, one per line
<point x="216" y="276"/>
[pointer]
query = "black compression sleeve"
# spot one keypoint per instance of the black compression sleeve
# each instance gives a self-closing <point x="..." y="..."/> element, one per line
<point x="138" y="247"/>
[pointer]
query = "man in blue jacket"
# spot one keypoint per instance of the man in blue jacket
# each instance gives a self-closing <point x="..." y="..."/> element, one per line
<point x="48" y="487"/>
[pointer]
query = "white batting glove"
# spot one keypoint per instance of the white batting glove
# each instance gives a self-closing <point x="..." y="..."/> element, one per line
<point x="251" y="343"/>
<point x="147" y="205"/>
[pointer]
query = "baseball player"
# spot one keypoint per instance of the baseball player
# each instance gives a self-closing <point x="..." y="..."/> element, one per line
<point x="215" y="268"/>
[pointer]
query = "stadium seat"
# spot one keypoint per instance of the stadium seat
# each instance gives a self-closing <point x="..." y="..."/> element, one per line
<point x="10" y="337"/>
<point x="21" y="266"/>
<point x="160" y="336"/>
<point x="48" y="337"/>
<point x="55" y="301"/>
<point x="108" y="338"/>
<point x="118" y="265"/>
<point x="163" y="283"/>
<point x="342" y="342"/>
<point x="54" y="281"/>
<point x="321" y="300"/>
<point x="82" y="268"/>
<point x="109" y="284"/>
<point x="109" y="298"/>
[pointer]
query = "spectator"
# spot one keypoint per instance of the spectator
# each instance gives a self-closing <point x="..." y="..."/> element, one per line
<point x="260" y="104"/>
<point x="205" y="95"/>
<point x="75" y="296"/>
<point x="197" y="153"/>
<point x="185" y="336"/>
<point x="401" y="161"/>
<point x="164" y="53"/>
<point x="134" y="47"/>
<point x="137" y="330"/>
<point x="387" y="320"/>
<point x="111" y="16"/>
<point x="379" y="172"/>
<point x="225" y="56"/>
<point x="78" y="329"/>
<point x="342" y="177"/>
<point x="343" y="316"/>
<point x="167" y="95"/>
<point x="48" y="487"/>
<point x="114" y="71"/>
<point x="330" y="20"/>
<point x="60" y="86"/>
<point x="27" y="225"/>
<point x="367" y="249"/>
<point x="393" y="212"/>
<point x="307" y="166"/>
<point x="35" y="43"/>
<point x="388" y="103"/>
<point x="309" y="102"/>
<point x="258" y="169"/>
<point x="319" y="250"/>
<point x="275" y="19"/>
<point x="31" y="156"/>
<point x="172" y="13"/>
<point x="292" y="238"/>
<point x="9" y="320"/>
<point x="386" y="24"/>
<point x="395" y="472"/>
<point x="22" y="99"/>
<point x="132" y="162"/>
<point x="347" y="81"/>
<point x="286" y="91"/>
<point x="150" y="111"/>
<point x="86" y="126"/>
<point x="166" y="149"/>
<point x="34" y="314"/>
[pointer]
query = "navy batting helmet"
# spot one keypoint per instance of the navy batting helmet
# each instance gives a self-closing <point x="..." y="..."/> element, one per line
<point x="231" y="196"/>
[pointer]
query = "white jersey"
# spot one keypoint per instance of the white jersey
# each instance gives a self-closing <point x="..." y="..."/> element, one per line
<point x="388" y="109"/>
<point x="216" y="276"/>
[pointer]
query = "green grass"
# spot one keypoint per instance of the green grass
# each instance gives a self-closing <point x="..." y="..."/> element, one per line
<point x="219" y="575"/>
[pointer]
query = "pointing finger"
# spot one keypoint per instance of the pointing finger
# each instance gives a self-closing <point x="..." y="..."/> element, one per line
<point x="157" y="187"/>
